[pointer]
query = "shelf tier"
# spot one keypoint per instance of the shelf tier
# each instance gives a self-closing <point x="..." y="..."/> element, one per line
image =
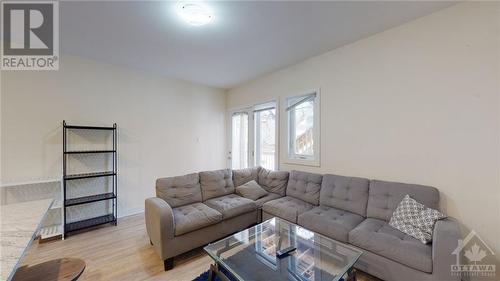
<point x="89" y="199"/>
<point x="89" y="151"/>
<point x="89" y="128"/>
<point x="74" y="226"/>
<point x="89" y="175"/>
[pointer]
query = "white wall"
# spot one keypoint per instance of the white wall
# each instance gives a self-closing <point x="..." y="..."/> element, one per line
<point x="418" y="103"/>
<point x="166" y="127"/>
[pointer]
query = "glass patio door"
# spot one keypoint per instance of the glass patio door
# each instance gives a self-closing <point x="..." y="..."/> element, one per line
<point x="265" y="137"/>
<point x="238" y="153"/>
<point x="252" y="139"/>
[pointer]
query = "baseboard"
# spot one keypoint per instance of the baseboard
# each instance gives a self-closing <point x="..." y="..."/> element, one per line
<point x="130" y="212"/>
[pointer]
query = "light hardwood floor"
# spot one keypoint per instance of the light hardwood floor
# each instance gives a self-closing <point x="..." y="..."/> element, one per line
<point x="123" y="253"/>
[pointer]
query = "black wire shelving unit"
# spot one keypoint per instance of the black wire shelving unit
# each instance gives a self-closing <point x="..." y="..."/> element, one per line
<point x="112" y="196"/>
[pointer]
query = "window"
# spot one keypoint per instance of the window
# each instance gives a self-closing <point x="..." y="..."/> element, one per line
<point x="265" y="136"/>
<point x="253" y="137"/>
<point x="303" y="129"/>
<point x="239" y="140"/>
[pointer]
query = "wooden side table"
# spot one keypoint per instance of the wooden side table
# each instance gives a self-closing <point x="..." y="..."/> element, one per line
<point x="65" y="269"/>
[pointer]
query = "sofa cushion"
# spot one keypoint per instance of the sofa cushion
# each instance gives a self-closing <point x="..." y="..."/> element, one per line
<point x="288" y="208"/>
<point x="270" y="196"/>
<point x="231" y="205"/>
<point x="273" y="181"/>
<point x="304" y="186"/>
<point x="415" y="219"/>
<point x="331" y="222"/>
<point x="194" y="216"/>
<point x="179" y="191"/>
<point x="378" y="237"/>
<point x="346" y="193"/>
<point x="251" y="190"/>
<point x="216" y="183"/>
<point x="384" y="197"/>
<point x="243" y="176"/>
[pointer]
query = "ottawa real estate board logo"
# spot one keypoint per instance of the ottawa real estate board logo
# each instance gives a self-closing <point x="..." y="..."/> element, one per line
<point x="29" y="35"/>
<point x="479" y="258"/>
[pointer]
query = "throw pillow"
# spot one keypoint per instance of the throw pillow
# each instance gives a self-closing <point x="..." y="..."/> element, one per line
<point x="251" y="190"/>
<point x="415" y="219"/>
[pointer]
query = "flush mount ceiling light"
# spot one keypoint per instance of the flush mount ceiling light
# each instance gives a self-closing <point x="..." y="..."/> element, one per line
<point x="195" y="13"/>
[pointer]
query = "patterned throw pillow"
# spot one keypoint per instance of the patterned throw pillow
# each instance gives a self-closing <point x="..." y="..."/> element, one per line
<point x="415" y="219"/>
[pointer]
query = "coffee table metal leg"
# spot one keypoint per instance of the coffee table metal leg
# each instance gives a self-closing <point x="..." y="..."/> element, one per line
<point x="351" y="275"/>
<point x="214" y="270"/>
<point x="211" y="273"/>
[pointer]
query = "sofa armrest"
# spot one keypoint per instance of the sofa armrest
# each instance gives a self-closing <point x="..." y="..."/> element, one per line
<point x="445" y="241"/>
<point x="159" y="223"/>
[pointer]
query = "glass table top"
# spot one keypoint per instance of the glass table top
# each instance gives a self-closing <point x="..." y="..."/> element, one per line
<point x="251" y="254"/>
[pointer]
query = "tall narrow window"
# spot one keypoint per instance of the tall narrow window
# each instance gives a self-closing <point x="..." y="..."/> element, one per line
<point x="303" y="129"/>
<point x="265" y="136"/>
<point x="239" y="140"/>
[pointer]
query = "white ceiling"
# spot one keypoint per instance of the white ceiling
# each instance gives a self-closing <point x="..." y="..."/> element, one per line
<point x="244" y="41"/>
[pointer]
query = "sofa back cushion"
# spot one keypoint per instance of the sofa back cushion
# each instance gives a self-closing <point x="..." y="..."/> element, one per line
<point x="179" y="191"/>
<point x="385" y="196"/>
<point x="243" y="176"/>
<point x="346" y="193"/>
<point x="304" y="186"/>
<point x="216" y="183"/>
<point x="273" y="181"/>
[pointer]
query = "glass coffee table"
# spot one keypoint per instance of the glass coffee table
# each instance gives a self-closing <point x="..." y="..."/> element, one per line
<point x="254" y="255"/>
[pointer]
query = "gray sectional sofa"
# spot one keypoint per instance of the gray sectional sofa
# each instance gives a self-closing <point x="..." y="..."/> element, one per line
<point x="193" y="210"/>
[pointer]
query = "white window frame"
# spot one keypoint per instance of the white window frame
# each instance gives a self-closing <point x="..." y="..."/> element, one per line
<point x="251" y="131"/>
<point x="290" y="156"/>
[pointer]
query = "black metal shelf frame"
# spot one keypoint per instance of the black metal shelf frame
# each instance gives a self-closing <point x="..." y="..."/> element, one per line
<point x="89" y="175"/>
<point x="79" y="225"/>
<point x="89" y="199"/>
<point x="90" y="128"/>
<point x="89" y="151"/>
<point x="113" y="196"/>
